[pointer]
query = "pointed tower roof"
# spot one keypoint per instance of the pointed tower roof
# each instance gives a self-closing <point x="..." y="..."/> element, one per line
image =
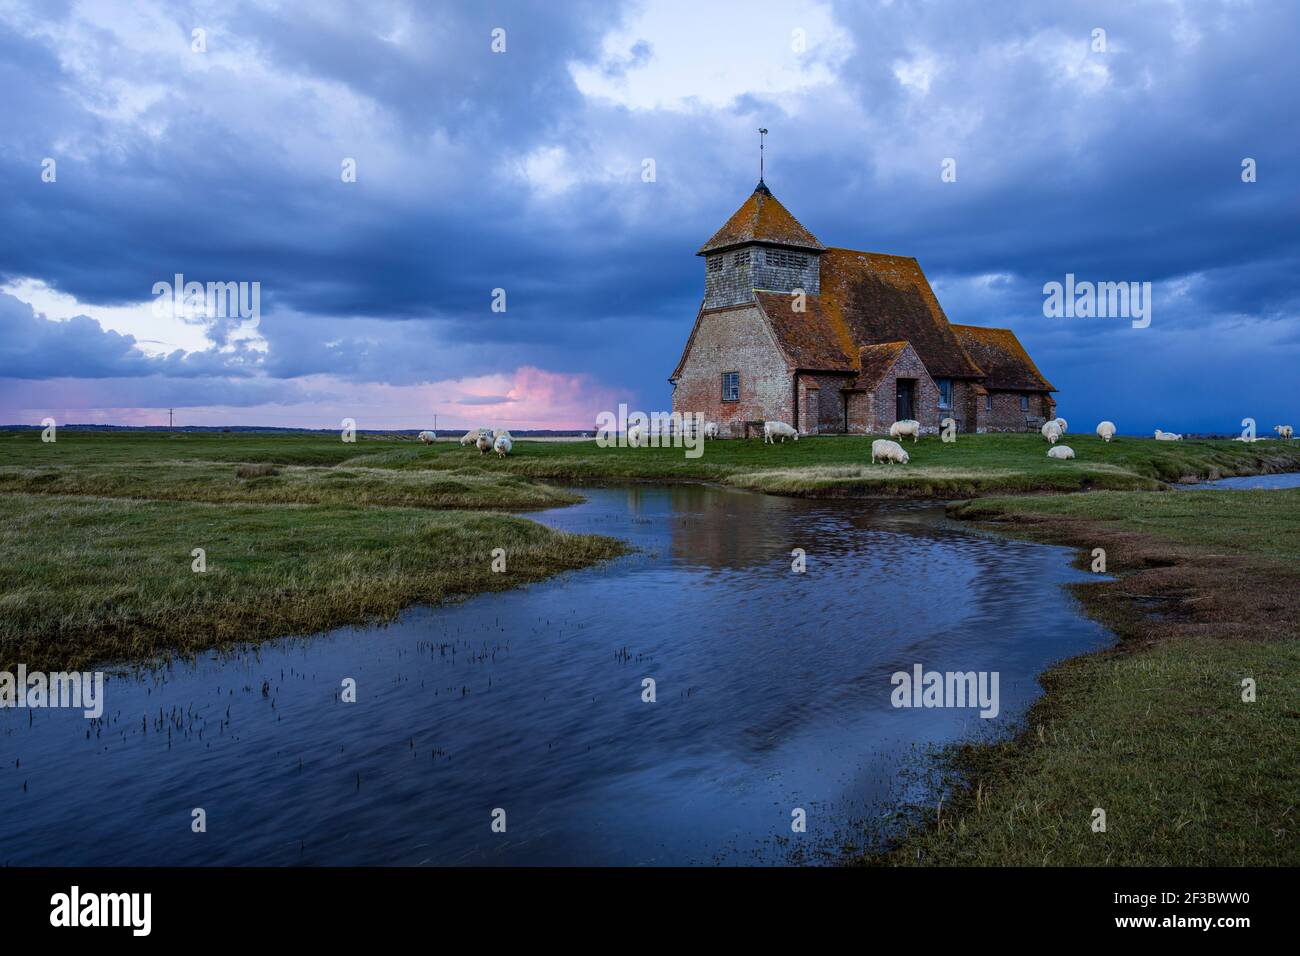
<point x="761" y="219"/>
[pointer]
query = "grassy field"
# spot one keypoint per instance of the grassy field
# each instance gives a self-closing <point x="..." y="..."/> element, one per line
<point x="822" y="466"/>
<point x="1155" y="732"/>
<point x="300" y="535"/>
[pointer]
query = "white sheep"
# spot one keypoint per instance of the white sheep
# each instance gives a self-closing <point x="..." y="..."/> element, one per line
<point x="1051" y="431"/>
<point x="502" y="445"/>
<point x="1106" y="431"/>
<point x="427" y="437"/>
<point x="483" y="443"/>
<point x="471" y="436"/>
<point x="498" y="432"/>
<point x="888" y="451"/>
<point x="1167" y="436"/>
<point x="1063" y="452"/>
<point x="711" y="430"/>
<point x="1061" y="424"/>
<point x="902" y="429"/>
<point x="774" y="430"/>
<point x="1283" y="431"/>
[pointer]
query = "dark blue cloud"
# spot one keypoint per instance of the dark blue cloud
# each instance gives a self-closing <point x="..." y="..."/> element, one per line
<point x="481" y="170"/>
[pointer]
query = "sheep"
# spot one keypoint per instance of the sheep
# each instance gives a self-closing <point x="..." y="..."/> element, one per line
<point x="1061" y="424"/>
<point x="498" y="432"/>
<point x="1106" y="431"/>
<point x="636" y="436"/>
<point x="1283" y="431"/>
<point x="1167" y="436"/>
<point x="711" y="430"/>
<point x="428" y="437"/>
<point x="483" y="443"/>
<point x="904" y="428"/>
<point x="502" y="445"/>
<point x="471" y="436"/>
<point x="888" y="451"/>
<point x="774" y="430"/>
<point x="1063" y="452"/>
<point x="1051" y="431"/>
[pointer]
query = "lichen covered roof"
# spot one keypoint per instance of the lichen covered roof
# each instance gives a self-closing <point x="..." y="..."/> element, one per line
<point x="1005" y="362"/>
<point x="872" y="299"/>
<point x="761" y="219"/>
<point x="807" y="338"/>
<point x="875" y="361"/>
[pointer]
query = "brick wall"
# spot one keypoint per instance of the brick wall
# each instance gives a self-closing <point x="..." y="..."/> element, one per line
<point x="1007" y="416"/>
<point x="740" y="271"/>
<point x="735" y="340"/>
<point x="884" y="402"/>
<point x="826" y="407"/>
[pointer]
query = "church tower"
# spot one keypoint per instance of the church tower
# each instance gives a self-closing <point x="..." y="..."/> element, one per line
<point x="761" y="247"/>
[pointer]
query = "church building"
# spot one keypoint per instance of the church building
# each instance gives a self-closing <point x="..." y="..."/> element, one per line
<point x="837" y="341"/>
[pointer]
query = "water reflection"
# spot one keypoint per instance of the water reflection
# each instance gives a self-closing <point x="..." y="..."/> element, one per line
<point x="773" y="693"/>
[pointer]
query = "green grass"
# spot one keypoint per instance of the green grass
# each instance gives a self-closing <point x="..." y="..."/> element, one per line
<point x="822" y="466"/>
<point x="1155" y="731"/>
<point x="340" y="484"/>
<point x="1187" y="773"/>
<point x="86" y="580"/>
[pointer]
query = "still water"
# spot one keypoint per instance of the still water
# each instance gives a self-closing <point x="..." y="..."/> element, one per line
<point x="1285" y="479"/>
<point x="773" y="693"/>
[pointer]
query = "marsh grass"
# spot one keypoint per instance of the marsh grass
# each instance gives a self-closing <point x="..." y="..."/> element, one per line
<point x="267" y="483"/>
<point x="1153" y="731"/>
<point x="86" y="580"/>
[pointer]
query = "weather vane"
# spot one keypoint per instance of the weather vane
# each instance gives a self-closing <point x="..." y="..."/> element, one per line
<point x="761" y="134"/>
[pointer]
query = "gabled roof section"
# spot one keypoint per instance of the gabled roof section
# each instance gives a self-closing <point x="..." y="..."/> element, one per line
<point x="761" y="219"/>
<point x="808" y="338"/>
<point x="1005" y="362"/>
<point x="880" y="299"/>
<point x="876" y="361"/>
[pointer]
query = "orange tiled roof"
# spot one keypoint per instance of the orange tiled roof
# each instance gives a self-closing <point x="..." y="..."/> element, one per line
<point x="1005" y="362"/>
<point x="872" y="299"/>
<point x="807" y="337"/>
<point x="761" y="219"/>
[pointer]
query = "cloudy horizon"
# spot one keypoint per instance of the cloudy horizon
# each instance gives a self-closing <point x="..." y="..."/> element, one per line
<point x="131" y="156"/>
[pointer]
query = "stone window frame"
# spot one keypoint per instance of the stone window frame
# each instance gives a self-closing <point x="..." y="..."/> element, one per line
<point x="1024" y="401"/>
<point x="950" y="388"/>
<point x="736" y="392"/>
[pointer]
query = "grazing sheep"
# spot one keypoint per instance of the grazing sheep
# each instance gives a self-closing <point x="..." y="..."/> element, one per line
<point x="711" y="430"/>
<point x="483" y="443"/>
<point x="1063" y="452"/>
<point x="502" y="445"/>
<point x="774" y="430"/>
<point x="471" y="436"/>
<point x="904" y="428"/>
<point x="1106" y="431"/>
<point x="1167" y="436"/>
<point x="498" y="432"/>
<point x="1060" y="423"/>
<point x="1051" y="431"/>
<point x="428" y="437"/>
<point x="1283" y="431"/>
<point x="888" y="451"/>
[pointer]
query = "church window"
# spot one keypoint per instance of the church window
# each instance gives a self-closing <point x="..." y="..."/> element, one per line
<point x="731" y="386"/>
<point x="742" y="258"/>
<point x="988" y="402"/>
<point x="1024" y="403"/>
<point x="715" y="265"/>
<point x="945" y="393"/>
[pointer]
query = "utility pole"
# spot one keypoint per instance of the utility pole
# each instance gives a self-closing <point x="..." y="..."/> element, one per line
<point x="169" y="418"/>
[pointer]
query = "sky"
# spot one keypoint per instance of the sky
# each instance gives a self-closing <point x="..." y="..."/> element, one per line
<point x="381" y="169"/>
